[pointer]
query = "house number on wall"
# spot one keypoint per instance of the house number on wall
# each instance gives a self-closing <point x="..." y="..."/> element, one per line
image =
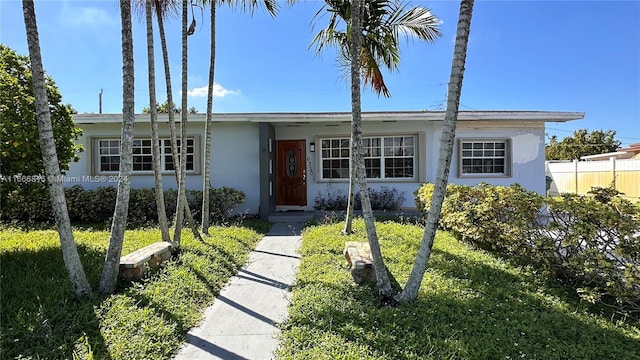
<point x="291" y="164"/>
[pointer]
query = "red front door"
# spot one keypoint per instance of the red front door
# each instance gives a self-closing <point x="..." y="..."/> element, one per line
<point x="292" y="173"/>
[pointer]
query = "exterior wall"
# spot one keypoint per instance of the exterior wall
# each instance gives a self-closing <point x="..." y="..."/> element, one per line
<point x="316" y="186"/>
<point x="580" y="176"/>
<point x="233" y="146"/>
<point x="527" y="155"/>
<point x="236" y="155"/>
<point x="86" y="165"/>
<point x="236" y="161"/>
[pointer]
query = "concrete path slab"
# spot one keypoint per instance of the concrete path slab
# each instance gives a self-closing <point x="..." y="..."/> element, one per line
<point x="241" y="322"/>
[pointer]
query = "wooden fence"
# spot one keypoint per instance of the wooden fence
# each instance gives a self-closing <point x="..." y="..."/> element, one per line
<point x="580" y="176"/>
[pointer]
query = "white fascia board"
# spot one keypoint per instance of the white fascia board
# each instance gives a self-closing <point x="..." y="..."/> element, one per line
<point x="305" y="118"/>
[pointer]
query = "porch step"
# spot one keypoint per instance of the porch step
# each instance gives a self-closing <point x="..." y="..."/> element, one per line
<point x="291" y="216"/>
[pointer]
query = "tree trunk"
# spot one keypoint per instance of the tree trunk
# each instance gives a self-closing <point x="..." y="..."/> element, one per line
<point x="382" y="278"/>
<point x="155" y="139"/>
<point x="207" y="126"/>
<point x="119" y="224"/>
<point x="50" y="157"/>
<point x="348" y="221"/>
<point x="447" y="140"/>
<point x="172" y="120"/>
<point x="182" y="205"/>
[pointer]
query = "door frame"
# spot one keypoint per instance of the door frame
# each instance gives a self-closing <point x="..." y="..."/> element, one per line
<point x="303" y="166"/>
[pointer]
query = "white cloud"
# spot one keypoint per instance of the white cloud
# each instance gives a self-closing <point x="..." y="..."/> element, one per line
<point x="218" y="91"/>
<point x="92" y="17"/>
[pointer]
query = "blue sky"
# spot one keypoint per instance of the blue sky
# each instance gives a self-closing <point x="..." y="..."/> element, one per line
<point x="523" y="55"/>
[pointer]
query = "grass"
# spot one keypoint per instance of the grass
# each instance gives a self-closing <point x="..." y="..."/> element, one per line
<point x="471" y="305"/>
<point x="41" y="319"/>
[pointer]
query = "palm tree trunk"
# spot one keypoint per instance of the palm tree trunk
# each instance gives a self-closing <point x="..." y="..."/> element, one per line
<point x="207" y="126"/>
<point x="50" y="157"/>
<point x="171" y="113"/>
<point x="410" y="291"/>
<point x="348" y="221"/>
<point x="155" y="140"/>
<point x="119" y="224"/>
<point x="382" y="278"/>
<point x="182" y="205"/>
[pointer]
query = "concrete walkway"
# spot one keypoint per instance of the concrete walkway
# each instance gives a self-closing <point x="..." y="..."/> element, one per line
<point x="241" y="323"/>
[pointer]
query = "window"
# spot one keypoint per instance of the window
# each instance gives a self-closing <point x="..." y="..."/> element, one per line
<point x="486" y="157"/>
<point x="108" y="151"/>
<point x="391" y="157"/>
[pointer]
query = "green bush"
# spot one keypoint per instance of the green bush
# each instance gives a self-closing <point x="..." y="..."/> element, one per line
<point x="96" y="206"/>
<point x="590" y="242"/>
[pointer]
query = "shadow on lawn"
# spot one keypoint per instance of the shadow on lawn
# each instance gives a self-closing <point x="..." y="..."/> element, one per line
<point x="466" y="309"/>
<point x="41" y="318"/>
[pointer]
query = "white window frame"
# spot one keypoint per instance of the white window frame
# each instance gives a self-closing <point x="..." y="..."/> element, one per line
<point x="378" y="151"/>
<point x="482" y="153"/>
<point x="113" y="149"/>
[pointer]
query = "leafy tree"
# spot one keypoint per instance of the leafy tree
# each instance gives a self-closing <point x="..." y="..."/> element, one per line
<point x="49" y="157"/>
<point x="162" y="108"/>
<point x="581" y="143"/>
<point x="19" y="141"/>
<point x="447" y="140"/>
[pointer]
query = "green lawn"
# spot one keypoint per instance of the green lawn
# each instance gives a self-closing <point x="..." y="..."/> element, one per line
<point x="471" y="306"/>
<point x="41" y="319"/>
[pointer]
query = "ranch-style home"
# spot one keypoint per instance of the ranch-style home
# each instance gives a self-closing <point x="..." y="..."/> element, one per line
<point x="283" y="161"/>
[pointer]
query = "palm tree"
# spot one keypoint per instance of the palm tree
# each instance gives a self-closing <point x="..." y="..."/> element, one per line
<point x="155" y="140"/>
<point x="165" y="8"/>
<point x="271" y="6"/>
<point x="447" y="138"/>
<point x="385" y="290"/>
<point x="383" y="22"/>
<point x="208" y="125"/>
<point x="50" y="157"/>
<point x="182" y="199"/>
<point x="118" y="226"/>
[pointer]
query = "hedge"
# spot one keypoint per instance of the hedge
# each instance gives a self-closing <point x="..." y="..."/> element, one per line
<point x="590" y="242"/>
<point x="96" y="206"/>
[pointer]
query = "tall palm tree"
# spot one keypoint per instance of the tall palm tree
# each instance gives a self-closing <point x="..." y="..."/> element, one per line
<point x="155" y="139"/>
<point x="383" y="23"/>
<point x="447" y="140"/>
<point x="180" y="206"/>
<point x="208" y="125"/>
<point x="118" y="226"/>
<point x="385" y="290"/>
<point x="163" y="9"/>
<point x="272" y="8"/>
<point x="50" y="157"/>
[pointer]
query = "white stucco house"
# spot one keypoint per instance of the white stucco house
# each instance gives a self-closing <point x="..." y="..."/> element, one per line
<point x="282" y="161"/>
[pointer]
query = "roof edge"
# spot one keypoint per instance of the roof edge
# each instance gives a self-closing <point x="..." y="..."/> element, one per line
<point x="310" y="117"/>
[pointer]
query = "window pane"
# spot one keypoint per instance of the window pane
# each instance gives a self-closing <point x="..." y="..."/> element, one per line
<point x="485" y="158"/>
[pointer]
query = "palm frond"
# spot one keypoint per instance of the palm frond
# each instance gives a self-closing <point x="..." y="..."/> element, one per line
<point x="416" y="21"/>
<point x="384" y="21"/>
<point x="249" y="6"/>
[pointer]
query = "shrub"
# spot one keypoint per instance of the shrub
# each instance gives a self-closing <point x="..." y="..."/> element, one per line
<point x="590" y="242"/>
<point x="96" y="206"/>
<point x="385" y="199"/>
<point x="334" y="200"/>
